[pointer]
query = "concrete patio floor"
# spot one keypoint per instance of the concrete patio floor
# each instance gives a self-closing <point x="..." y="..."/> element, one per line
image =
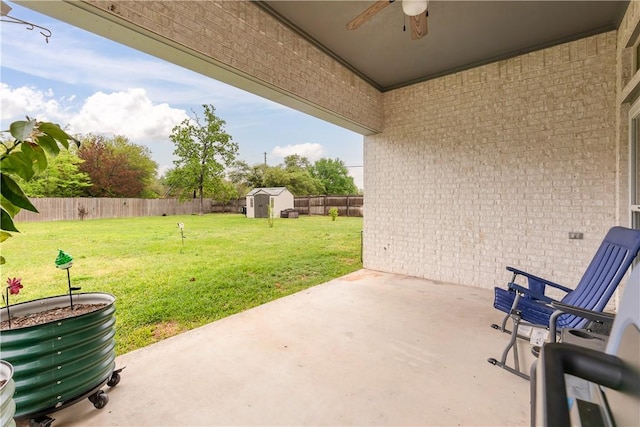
<point x="368" y="348"/>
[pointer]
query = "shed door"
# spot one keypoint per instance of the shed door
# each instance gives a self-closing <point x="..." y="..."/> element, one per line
<point x="261" y="205"/>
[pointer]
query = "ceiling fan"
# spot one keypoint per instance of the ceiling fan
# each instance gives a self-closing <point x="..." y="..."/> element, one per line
<point x="416" y="10"/>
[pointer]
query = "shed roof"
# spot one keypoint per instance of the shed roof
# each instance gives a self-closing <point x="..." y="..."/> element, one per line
<point x="272" y="191"/>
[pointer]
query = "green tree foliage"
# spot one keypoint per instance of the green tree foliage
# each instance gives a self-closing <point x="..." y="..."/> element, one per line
<point x="61" y="179"/>
<point x="298" y="181"/>
<point x="227" y="191"/>
<point x="293" y="174"/>
<point x="203" y="149"/>
<point x="156" y="188"/>
<point x="325" y="176"/>
<point x="140" y="159"/>
<point x="296" y="162"/>
<point x="23" y="155"/>
<point x="239" y="171"/>
<point x="256" y="176"/>
<point x="117" y="167"/>
<point x="239" y="175"/>
<point x="334" y="176"/>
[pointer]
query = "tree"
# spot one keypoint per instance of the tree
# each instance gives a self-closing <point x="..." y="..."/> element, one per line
<point x="239" y="172"/>
<point x="293" y="174"/>
<point x="298" y="181"/>
<point x="246" y="177"/>
<point x="203" y="150"/>
<point x="139" y="158"/>
<point x="239" y="176"/>
<point x="62" y="178"/>
<point x="334" y="176"/>
<point x="117" y="167"/>
<point x="325" y="176"/>
<point x="256" y="176"/>
<point x="296" y="162"/>
<point x="227" y="191"/>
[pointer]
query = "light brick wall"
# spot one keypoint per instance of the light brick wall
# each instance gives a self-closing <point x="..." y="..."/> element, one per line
<point x="474" y="171"/>
<point x="245" y="39"/>
<point x="494" y="166"/>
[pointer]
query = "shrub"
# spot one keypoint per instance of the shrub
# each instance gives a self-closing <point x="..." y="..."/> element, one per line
<point x="333" y="213"/>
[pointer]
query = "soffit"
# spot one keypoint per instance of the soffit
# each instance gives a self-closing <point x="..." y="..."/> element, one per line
<point x="461" y="34"/>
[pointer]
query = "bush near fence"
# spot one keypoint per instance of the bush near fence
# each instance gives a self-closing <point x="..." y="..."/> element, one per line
<point x="79" y="208"/>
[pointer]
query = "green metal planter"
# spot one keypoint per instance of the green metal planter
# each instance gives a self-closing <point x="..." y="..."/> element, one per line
<point x="7" y="404"/>
<point x="58" y="363"/>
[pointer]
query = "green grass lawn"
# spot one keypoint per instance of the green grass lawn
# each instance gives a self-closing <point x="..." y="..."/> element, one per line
<point x="228" y="263"/>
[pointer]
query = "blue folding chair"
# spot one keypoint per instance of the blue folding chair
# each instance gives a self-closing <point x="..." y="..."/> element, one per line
<point x="530" y="306"/>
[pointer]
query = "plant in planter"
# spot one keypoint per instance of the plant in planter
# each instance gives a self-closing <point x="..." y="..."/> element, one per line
<point x="14" y="287"/>
<point x="56" y="362"/>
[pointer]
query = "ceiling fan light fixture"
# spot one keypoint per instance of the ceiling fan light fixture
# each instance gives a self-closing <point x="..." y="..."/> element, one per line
<point x="414" y="7"/>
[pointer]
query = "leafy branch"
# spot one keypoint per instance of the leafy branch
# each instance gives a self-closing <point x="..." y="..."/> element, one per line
<point x="25" y="157"/>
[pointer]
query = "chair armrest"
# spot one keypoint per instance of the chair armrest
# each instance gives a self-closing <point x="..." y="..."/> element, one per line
<point x="530" y="293"/>
<point x="539" y="279"/>
<point x="596" y="316"/>
<point x="561" y="309"/>
<point x="556" y="360"/>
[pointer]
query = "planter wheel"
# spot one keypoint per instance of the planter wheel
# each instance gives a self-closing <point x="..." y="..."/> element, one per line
<point x="99" y="399"/>
<point x="115" y="378"/>
<point x="41" y="421"/>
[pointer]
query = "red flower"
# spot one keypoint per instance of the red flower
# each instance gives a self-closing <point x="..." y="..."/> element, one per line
<point x="14" y="285"/>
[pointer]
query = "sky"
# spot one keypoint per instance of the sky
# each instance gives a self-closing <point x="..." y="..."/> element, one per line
<point x="89" y="84"/>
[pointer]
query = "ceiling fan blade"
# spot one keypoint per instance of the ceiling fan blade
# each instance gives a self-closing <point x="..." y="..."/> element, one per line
<point x="368" y="13"/>
<point x="418" y="26"/>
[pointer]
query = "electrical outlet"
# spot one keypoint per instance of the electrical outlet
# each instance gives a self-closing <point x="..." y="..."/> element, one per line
<point x="576" y="235"/>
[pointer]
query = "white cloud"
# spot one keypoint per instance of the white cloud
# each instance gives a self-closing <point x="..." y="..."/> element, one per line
<point x="312" y="151"/>
<point x="129" y="113"/>
<point x="89" y="85"/>
<point x="27" y="100"/>
<point x="76" y="57"/>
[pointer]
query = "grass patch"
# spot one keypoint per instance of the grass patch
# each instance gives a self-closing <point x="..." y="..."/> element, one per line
<point x="228" y="264"/>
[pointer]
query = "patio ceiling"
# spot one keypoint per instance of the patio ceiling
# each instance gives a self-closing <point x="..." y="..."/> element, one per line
<point x="461" y="34"/>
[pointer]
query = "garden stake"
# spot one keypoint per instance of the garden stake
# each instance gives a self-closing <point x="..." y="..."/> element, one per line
<point x="181" y="227"/>
<point x="69" y="284"/>
<point x="64" y="261"/>
<point x="6" y="301"/>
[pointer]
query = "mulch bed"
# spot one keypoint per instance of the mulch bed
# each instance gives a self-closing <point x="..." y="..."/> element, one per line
<point x="49" y="316"/>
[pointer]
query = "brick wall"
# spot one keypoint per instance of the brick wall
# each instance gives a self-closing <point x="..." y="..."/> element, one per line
<point x="494" y="166"/>
<point x="471" y="172"/>
<point x="240" y="37"/>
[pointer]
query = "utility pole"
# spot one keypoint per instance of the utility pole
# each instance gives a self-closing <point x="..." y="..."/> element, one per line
<point x="265" y="158"/>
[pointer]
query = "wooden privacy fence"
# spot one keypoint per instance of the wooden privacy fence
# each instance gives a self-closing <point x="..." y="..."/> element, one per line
<point x="305" y="205"/>
<point x="320" y="205"/>
<point x="62" y="209"/>
<point x="77" y="208"/>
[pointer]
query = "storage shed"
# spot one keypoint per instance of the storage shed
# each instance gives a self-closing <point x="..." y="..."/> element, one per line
<point x="259" y="199"/>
